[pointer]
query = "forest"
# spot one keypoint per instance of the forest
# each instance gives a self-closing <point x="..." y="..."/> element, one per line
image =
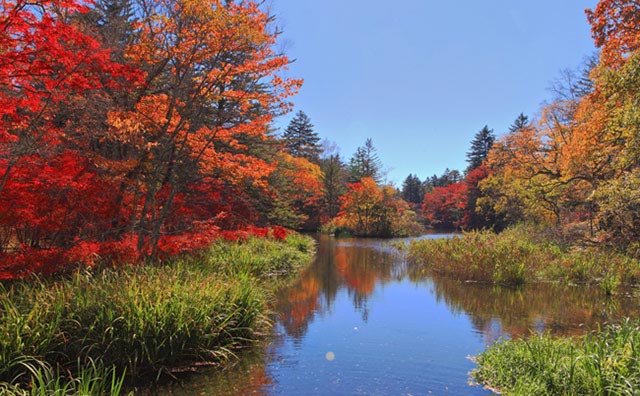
<point x="125" y="138"/>
<point x="574" y="166"/>
<point x="138" y="130"/>
<point x="138" y="134"/>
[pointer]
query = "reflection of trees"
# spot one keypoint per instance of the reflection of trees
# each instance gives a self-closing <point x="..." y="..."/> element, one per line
<point x="560" y="309"/>
<point x="248" y="375"/>
<point x="356" y="266"/>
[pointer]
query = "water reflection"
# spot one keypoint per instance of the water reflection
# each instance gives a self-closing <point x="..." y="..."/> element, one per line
<point x="360" y="265"/>
<point x="246" y="376"/>
<point x="355" y="265"/>
<point x="393" y="330"/>
<point x="559" y="309"/>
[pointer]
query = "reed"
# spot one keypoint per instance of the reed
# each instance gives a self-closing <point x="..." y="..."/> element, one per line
<point x="142" y="320"/>
<point x="522" y="254"/>
<point x="604" y="363"/>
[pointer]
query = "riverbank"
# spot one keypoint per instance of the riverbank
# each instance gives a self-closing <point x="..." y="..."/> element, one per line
<point x="602" y="363"/>
<point x="102" y="327"/>
<point x="522" y="254"/>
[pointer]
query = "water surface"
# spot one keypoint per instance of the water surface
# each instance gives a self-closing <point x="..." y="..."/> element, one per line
<point x="359" y="321"/>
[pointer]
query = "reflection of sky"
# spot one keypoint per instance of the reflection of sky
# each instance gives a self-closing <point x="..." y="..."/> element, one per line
<point x="391" y="335"/>
<point x="409" y="344"/>
<point x="389" y="331"/>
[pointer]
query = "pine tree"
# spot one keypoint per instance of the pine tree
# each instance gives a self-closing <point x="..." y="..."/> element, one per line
<point x="334" y="177"/>
<point x="300" y="140"/>
<point x="480" y="146"/>
<point x="365" y="163"/>
<point x="412" y="189"/>
<point x="113" y="21"/>
<point x="520" y="122"/>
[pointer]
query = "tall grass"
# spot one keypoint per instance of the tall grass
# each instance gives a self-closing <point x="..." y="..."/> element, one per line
<point x="141" y="320"/>
<point x="259" y="257"/>
<point x="91" y="380"/>
<point x="522" y="254"/>
<point x="606" y="363"/>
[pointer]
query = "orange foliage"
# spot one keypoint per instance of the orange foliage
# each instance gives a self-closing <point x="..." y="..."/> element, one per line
<point x="615" y="26"/>
<point x="200" y="106"/>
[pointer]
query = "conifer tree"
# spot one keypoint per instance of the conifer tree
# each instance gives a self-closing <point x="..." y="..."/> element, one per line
<point x="334" y="177"/>
<point x="480" y="146"/>
<point x="300" y="140"/>
<point x="412" y="189"/>
<point x="365" y="163"/>
<point x="520" y="122"/>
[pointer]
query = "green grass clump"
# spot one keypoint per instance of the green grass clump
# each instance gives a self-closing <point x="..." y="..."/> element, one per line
<point x="522" y="254"/>
<point x="606" y="363"/>
<point x="259" y="257"/>
<point x="142" y="320"/>
<point x="91" y="380"/>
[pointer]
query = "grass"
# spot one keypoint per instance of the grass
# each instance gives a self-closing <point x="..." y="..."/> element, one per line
<point x="605" y="363"/>
<point x="91" y="380"/>
<point x="522" y="254"/>
<point x="142" y="320"/>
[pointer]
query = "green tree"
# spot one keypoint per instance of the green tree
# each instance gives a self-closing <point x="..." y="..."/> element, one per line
<point x="412" y="189"/>
<point x="520" y="122"/>
<point x="448" y="177"/>
<point x="300" y="140"/>
<point x="480" y="146"/>
<point x="334" y="178"/>
<point x="365" y="163"/>
<point x="113" y="21"/>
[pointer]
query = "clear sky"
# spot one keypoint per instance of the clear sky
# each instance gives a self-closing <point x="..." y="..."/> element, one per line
<point x="421" y="77"/>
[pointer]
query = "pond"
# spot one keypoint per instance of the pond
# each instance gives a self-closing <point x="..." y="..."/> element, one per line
<point x="358" y="321"/>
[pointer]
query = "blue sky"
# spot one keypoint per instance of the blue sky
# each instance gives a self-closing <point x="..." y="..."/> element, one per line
<point x="421" y="77"/>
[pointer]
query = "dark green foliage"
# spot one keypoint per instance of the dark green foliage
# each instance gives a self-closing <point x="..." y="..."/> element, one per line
<point x="365" y="163"/>
<point x="520" y="122"/>
<point x="605" y="364"/>
<point x="448" y="177"/>
<point x="480" y="146"/>
<point x="300" y="140"/>
<point x="412" y="189"/>
<point x="112" y="20"/>
<point x="334" y="178"/>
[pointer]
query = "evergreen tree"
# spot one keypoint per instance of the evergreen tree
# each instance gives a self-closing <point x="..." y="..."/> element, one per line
<point x="300" y="140"/>
<point x="365" y="163"/>
<point x="480" y="146"/>
<point x="520" y="122"/>
<point x="334" y="177"/>
<point x="113" y="21"/>
<point x="412" y="189"/>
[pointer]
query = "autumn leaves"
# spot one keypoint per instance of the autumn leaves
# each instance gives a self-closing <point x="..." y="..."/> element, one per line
<point x="122" y="152"/>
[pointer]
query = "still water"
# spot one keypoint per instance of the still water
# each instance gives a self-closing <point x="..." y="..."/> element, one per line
<point x="359" y="321"/>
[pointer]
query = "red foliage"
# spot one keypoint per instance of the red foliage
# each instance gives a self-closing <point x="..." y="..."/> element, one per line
<point x="454" y="206"/>
<point x="74" y="193"/>
<point x="443" y="207"/>
<point x="471" y="218"/>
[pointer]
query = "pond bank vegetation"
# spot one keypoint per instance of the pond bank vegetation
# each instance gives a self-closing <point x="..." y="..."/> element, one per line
<point x="602" y="363"/>
<point x="87" y="332"/>
<point x="523" y="254"/>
